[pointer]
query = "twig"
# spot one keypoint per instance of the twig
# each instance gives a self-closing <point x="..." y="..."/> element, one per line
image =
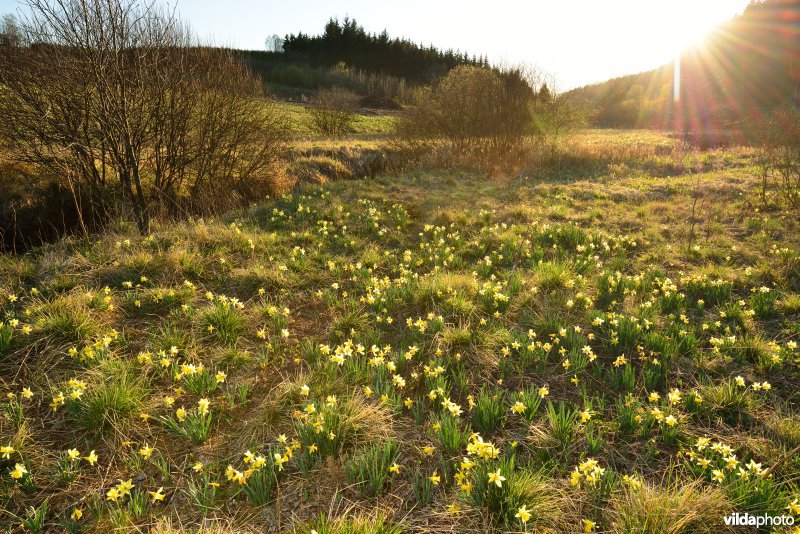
<point x="782" y="461"/>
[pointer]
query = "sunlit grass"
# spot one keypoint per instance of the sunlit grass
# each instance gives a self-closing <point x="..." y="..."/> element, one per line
<point x="435" y="351"/>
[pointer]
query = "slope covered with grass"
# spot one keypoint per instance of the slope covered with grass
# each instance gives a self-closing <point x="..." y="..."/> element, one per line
<point x="434" y="352"/>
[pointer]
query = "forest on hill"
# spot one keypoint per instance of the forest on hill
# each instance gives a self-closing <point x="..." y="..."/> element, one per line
<point x="744" y="69"/>
<point x="345" y="54"/>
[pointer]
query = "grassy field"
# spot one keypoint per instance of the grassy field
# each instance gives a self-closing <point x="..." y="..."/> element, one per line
<point x="610" y="349"/>
<point x="367" y="124"/>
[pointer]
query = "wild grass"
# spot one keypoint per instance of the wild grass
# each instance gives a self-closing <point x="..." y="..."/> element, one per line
<point x="370" y="468"/>
<point x="357" y="524"/>
<point x="116" y="396"/>
<point x="488" y="413"/>
<point x="363" y="124"/>
<point x="673" y="509"/>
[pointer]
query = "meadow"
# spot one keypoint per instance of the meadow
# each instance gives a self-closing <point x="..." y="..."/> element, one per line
<point x="366" y="124"/>
<point x="607" y="346"/>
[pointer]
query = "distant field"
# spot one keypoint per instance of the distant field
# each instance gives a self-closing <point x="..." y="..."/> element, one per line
<point x="609" y="345"/>
<point x="372" y="124"/>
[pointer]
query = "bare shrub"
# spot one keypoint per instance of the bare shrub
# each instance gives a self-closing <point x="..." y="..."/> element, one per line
<point x="333" y="111"/>
<point x="556" y="115"/>
<point x="116" y="95"/>
<point x="778" y="138"/>
<point x="236" y="138"/>
<point x="473" y="109"/>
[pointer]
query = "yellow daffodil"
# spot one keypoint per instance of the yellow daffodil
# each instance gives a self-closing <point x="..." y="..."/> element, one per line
<point x="6" y="451"/>
<point x="125" y="486"/>
<point x="523" y="514"/>
<point x="146" y="451"/>
<point x="92" y="458"/>
<point x="18" y="472"/>
<point x="496" y="478"/>
<point x="279" y="460"/>
<point x="157" y="495"/>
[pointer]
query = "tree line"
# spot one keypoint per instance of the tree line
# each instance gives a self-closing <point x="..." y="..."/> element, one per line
<point x="348" y="42"/>
<point x="346" y="55"/>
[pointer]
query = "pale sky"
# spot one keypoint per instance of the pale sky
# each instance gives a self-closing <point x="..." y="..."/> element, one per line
<point x="576" y="41"/>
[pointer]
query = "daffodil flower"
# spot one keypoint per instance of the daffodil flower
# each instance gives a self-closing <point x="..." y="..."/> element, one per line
<point x="496" y="478"/>
<point x="523" y="514"/>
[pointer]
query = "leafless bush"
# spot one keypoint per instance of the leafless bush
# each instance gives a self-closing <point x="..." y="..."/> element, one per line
<point x="779" y="155"/>
<point x="472" y="109"/>
<point x="556" y="115"/>
<point x="115" y="94"/>
<point x="333" y="110"/>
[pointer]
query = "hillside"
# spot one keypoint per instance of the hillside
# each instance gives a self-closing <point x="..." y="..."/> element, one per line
<point x="432" y="352"/>
<point x="744" y="68"/>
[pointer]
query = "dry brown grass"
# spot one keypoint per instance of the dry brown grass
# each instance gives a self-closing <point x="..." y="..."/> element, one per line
<point x="671" y="509"/>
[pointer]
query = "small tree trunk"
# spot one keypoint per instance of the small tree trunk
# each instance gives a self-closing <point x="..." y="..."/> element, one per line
<point x="78" y="208"/>
<point x="140" y="207"/>
<point x="136" y="194"/>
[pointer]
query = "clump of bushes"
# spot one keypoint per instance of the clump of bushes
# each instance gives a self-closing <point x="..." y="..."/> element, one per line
<point x="116" y="98"/>
<point x="779" y="155"/>
<point x="473" y="108"/>
<point x="333" y="111"/>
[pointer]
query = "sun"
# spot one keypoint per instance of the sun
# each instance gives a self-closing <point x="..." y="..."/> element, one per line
<point x="691" y="22"/>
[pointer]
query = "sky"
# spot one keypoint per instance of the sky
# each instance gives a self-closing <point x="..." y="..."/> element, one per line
<point x="575" y="42"/>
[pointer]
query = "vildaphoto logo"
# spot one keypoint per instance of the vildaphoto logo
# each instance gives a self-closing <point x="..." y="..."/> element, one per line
<point x="748" y="520"/>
